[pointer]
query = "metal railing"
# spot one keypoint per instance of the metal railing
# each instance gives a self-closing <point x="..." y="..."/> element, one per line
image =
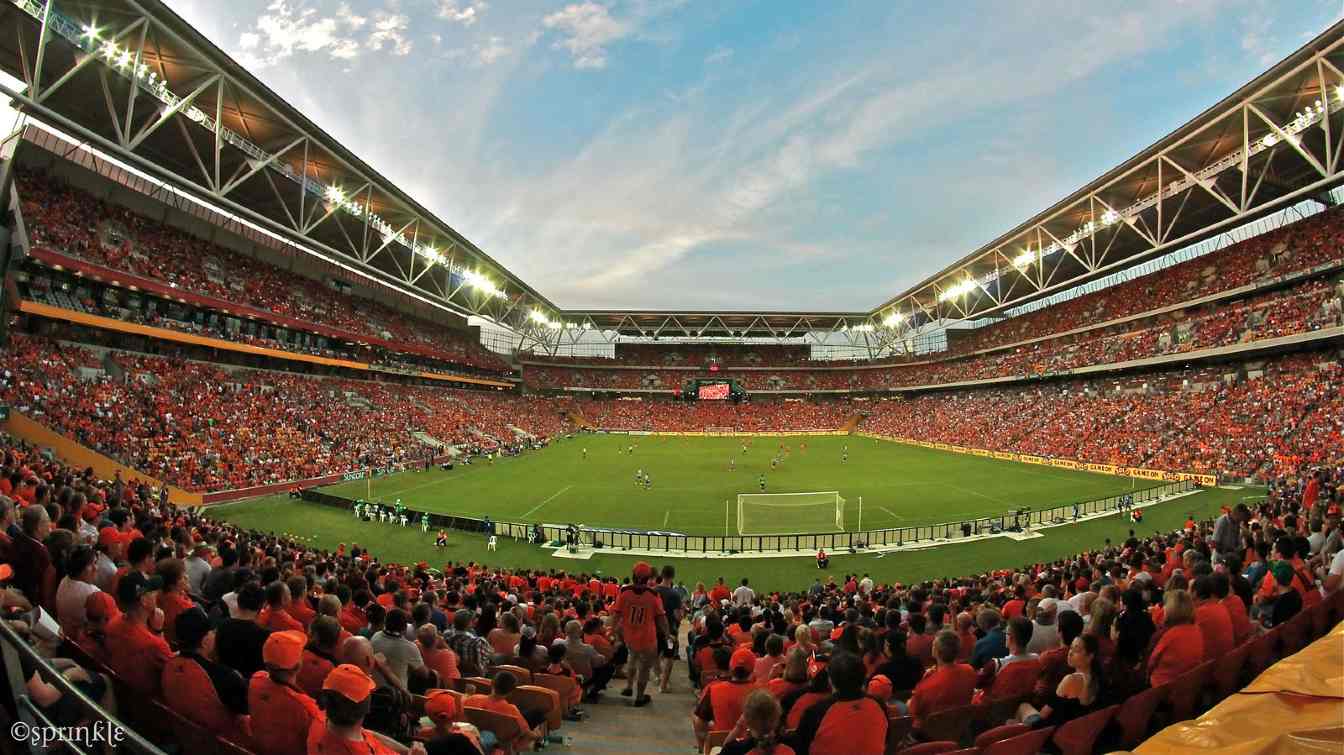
<point x="644" y="540"/>
<point x="35" y="732"/>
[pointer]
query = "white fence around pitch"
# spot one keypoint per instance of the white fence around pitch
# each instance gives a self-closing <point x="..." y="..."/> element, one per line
<point x="689" y="545"/>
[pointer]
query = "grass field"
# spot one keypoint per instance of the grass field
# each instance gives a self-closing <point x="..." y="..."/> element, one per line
<point x="900" y="485"/>
<point x="325" y="526"/>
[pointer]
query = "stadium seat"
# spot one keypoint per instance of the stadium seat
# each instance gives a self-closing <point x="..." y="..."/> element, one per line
<point x="540" y="698"/>
<point x="1136" y="713"/>
<point x="1187" y="692"/>
<point x="1005" y="731"/>
<point x="1320" y="621"/>
<point x="1261" y="653"/>
<point x="523" y="675"/>
<point x="953" y="724"/>
<point x="188" y="735"/>
<point x="1294" y="634"/>
<point x="931" y="748"/>
<point x="714" y="739"/>
<point x="1227" y="670"/>
<point x="505" y="729"/>
<point x="1023" y="744"/>
<point x="898" y="730"/>
<point x="1079" y="735"/>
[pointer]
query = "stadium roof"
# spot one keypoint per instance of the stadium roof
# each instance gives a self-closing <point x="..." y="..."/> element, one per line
<point x="134" y="80"/>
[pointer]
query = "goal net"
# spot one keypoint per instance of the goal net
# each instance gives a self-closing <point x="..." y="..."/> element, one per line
<point x="790" y="513"/>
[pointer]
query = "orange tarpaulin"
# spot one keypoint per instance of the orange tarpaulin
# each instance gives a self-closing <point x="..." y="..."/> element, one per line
<point x="1295" y="706"/>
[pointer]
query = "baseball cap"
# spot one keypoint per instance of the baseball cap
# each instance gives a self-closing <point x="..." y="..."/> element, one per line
<point x="284" y="650"/>
<point x="191" y="626"/>
<point x="742" y="658"/>
<point x="6" y="572"/>
<point x="440" y="704"/>
<point x="349" y="681"/>
<point x="100" y="605"/>
<point x="134" y="585"/>
<point x="880" y="687"/>
<point x="643" y="570"/>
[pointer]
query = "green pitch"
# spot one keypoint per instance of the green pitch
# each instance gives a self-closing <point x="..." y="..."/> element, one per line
<point x="695" y="481"/>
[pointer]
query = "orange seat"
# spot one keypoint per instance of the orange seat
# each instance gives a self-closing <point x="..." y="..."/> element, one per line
<point x="505" y="728"/>
<point x="1079" y="735"/>
<point x="1023" y="744"/>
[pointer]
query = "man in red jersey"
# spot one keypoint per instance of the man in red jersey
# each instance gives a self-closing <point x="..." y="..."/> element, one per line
<point x="346" y="697"/>
<point x="639" y="621"/>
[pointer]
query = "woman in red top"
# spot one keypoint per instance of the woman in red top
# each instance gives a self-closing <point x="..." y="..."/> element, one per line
<point x="1181" y="644"/>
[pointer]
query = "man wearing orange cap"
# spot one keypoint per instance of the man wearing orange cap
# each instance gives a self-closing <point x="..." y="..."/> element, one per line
<point x="448" y="733"/>
<point x="346" y="698"/>
<point x="99" y="610"/>
<point x="282" y="714"/>
<point x="721" y="703"/>
<point x="639" y="622"/>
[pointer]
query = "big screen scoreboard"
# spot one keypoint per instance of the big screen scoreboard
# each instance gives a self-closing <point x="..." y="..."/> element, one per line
<point x="712" y="390"/>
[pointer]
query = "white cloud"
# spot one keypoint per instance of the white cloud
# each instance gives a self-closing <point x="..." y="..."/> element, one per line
<point x="466" y="13"/>
<point x="284" y="30"/>
<point x="389" y="30"/>
<point x="586" y="29"/>
<point x="492" y="50"/>
<point x="719" y="55"/>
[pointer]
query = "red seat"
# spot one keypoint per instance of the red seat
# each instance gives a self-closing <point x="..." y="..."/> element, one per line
<point x="1079" y="735"/>
<point x="1023" y="744"/>
<point x="953" y="724"/>
<point x="1261" y="654"/>
<point x="188" y="690"/>
<point x="1187" y="691"/>
<point x="930" y="748"/>
<point x="1294" y="634"/>
<point x="1320" y="620"/>
<point x="1227" y="671"/>
<point x="1007" y="731"/>
<point x="898" y="728"/>
<point x="1136" y="712"/>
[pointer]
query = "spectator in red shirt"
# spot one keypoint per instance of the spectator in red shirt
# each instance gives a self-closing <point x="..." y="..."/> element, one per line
<point x="1236" y="609"/>
<point x="319" y="657"/>
<point x="1212" y="618"/>
<point x="722" y="701"/>
<point x="275" y="616"/>
<point x="919" y="643"/>
<point x="282" y="713"/>
<point x="850" y="722"/>
<point x="640" y="622"/>
<point x="1180" y="647"/>
<point x="134" y="652"/>
<point x="173" y="600"/>
<point x="949" y="685"/>
<point x="720" y="592"/>
<point x="346" y="697"/>
<point x="29" y="556"/>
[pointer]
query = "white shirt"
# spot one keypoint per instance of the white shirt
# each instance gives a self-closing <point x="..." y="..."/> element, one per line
<point x="866" y="585"/>
<point x="1337" y="564"/>
<point x="71" y="595"/>
<point x="743" y="596"/>
<point x="197" y="570"/>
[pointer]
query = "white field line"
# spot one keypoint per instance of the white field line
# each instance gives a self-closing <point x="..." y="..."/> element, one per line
<point x="892" y="514"/>
<point x="556" y="495"/>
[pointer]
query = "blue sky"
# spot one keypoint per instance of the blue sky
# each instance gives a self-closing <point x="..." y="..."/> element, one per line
<point x="753" y="154"/>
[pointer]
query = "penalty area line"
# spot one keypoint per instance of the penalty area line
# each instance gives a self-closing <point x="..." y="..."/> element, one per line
<point x="892" y="514"/>
<point x="554" y="496"/>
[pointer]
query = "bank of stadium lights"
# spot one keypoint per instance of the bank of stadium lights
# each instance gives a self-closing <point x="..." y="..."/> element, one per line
<point x="541" y="319"/>
<point x="481" y="283"/>
<point x="894" y="319"/>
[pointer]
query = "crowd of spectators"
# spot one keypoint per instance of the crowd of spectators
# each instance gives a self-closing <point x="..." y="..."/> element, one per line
<point x="74" y="223"/>
<point x="205" y="427"/>
<point x="283" y="647"/>
<point x="1301" y="308"/>
<point x="1232" y="421"/>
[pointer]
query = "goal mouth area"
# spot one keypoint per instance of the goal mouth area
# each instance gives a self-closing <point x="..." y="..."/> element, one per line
<point x="789" y="513"/>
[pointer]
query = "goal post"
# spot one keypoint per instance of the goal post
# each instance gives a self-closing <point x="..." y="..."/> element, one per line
<point x="790" y="513"/>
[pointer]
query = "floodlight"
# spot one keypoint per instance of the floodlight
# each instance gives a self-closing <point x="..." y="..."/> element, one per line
<point x="90" y="33"/>
<point x="335" y="195"/>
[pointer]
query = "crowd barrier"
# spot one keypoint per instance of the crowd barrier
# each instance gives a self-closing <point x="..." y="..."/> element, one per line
<point x="652" y="540"/>
<point x="34" y="731"/>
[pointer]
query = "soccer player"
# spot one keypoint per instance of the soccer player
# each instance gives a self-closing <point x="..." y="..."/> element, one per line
<point x="639" y="620"/>
<point x="732" y="465"/>
<point x="844" y="456"/>
<point x="585" y="454"/>
<point x="424" y="523"/>
<point x="639" y="476"/>
<point x="762" y="481"/>
<point x="648" y="482"/>
<point x="744" y="449"/>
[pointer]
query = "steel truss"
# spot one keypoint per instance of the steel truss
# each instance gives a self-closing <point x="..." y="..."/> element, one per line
<point x="171" y="105"/>
<point x="1275" y="143"/>
<point x="129" y="78"/>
